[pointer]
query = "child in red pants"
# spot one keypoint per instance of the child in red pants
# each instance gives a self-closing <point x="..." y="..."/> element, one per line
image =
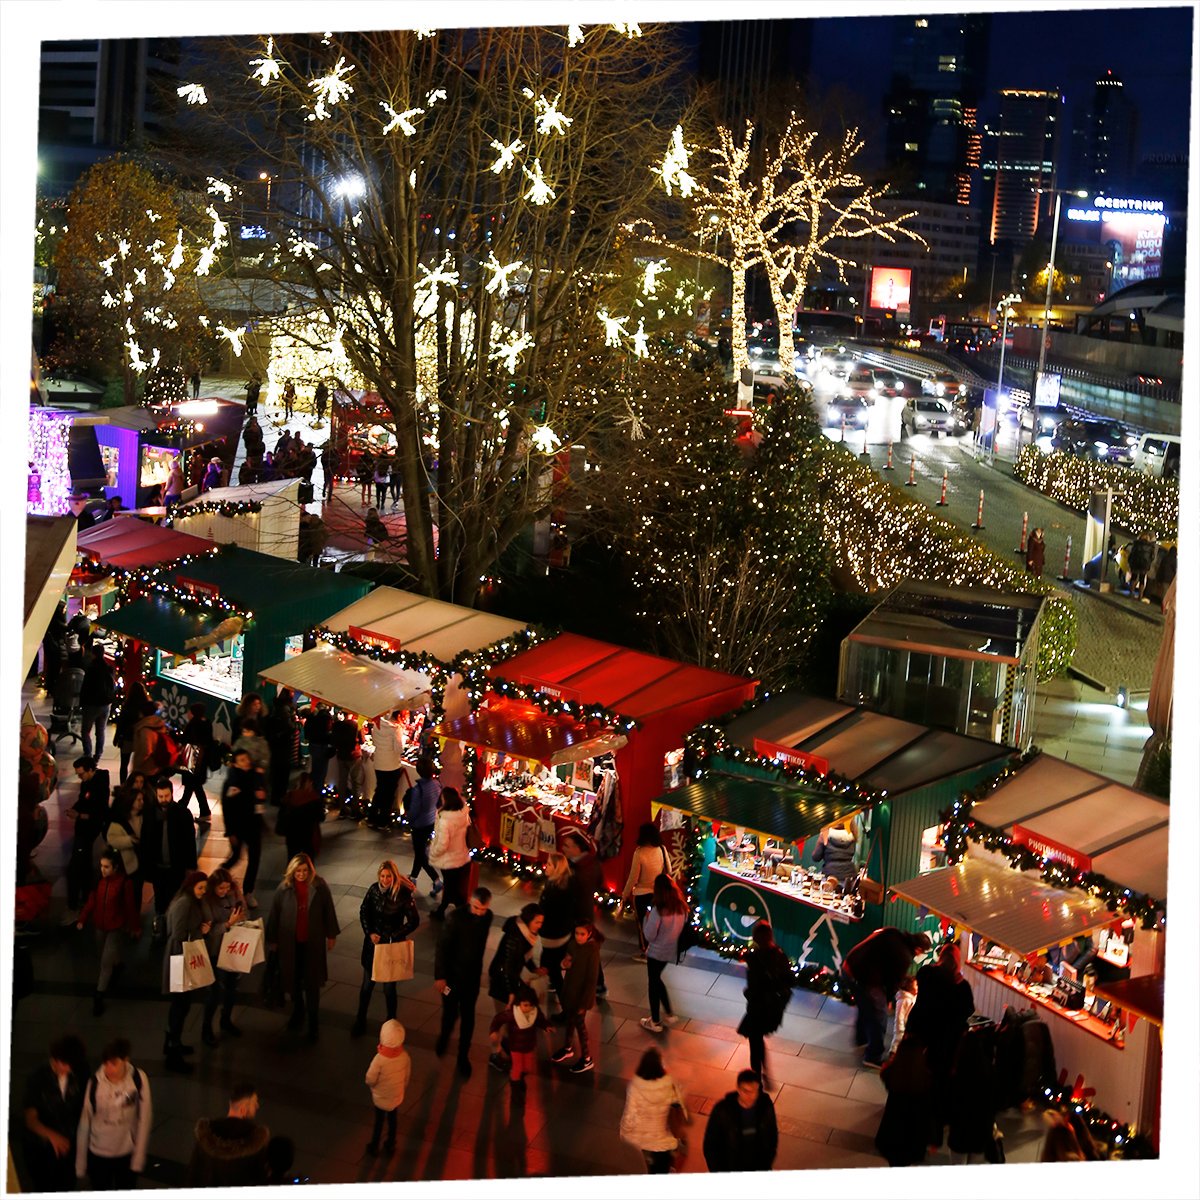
<point x="519" y="1026"/>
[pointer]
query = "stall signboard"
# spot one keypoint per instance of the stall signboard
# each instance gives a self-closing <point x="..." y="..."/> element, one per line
<point x="197" y="587"/>
<point x="554" y="690"/>
<point x="1048" y="848"/>
<point x="381" y="640"/>
<point x="791" y="757"/>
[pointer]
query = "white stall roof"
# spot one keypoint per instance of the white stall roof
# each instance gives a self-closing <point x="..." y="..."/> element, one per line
<point x="787" y="720"/>
<point x="357" y="685"/>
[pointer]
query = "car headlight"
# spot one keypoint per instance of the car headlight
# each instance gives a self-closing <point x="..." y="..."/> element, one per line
<point x="831" y="415"/>
<point x="1101" y="446"/>
<point x="939" y="389"/>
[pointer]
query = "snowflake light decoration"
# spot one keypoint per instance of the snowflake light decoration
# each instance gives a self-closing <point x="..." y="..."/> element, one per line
<point x="507" y="154"/>
<point x="139" y="276"/>
<point x="545" y="439"/>
<point x="193" y="93"/>
<point x="177" y="254"/>
<point x="641" y="346"/>
<point x="424" y="32"/>
<point x="217" y="188"/>
<point x="547" y="118"/>
<point x="629" y="29"/>
<point x="540" y="192"/>
<point x="109" y="300"/>
<point x="650" y="278"/>
<point x="574" y="35"/>
<point x="614" y="328"/>
<point x="106" y="265"/>
<point x="299" y="246"/>
<point x="123" y="248"/>
<point x="510" y="353"/>
<point x="674" y="166"/>
<point x="233" y="337"/>
<point x="637" y="431"/>
<point x="168" y="279"/>
<point x="267" y="67"/>
<point x="204" y="263"/>
<point x="153" y="215"/>
<point x="401" y="120"/>
<point x="500" y="273"/>
<point x="432" y="97"/>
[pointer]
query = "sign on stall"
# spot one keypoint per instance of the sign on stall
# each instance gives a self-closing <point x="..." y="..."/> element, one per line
<point x="1048" y="848"/>
<point x="791" y="757"/>
<point x="554" y="690"/>
<point x="382" y="640"/>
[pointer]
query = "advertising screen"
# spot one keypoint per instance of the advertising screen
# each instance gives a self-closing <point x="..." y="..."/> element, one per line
<point x="1136" y="240"/>
<point x="891" y="288"/>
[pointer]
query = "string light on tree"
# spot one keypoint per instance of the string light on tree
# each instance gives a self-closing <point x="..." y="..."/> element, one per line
<point x="193" y="93"/>
<point x="266" y="68"/>
<point x="540" y="192"/>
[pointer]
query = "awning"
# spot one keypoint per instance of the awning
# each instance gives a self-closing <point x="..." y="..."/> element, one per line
<point x="767" y="808"/>
<point x="162" y="623"/>
<point x="525" y="731"/>
<point x="1142" y="996"/>
<point x="1006" y="906"/>
<point x="127" y="542"/>
<point x="346" y="681"/>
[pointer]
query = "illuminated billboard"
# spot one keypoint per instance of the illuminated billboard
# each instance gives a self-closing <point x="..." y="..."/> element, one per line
<point x="891" y="288"/>
<point x="1132" y="230"/>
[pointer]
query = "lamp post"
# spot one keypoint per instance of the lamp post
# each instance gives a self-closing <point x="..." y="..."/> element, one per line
<point x="1058" y="194"/>
<point x="268" y="179"/>
<point x="1009" y="299"/>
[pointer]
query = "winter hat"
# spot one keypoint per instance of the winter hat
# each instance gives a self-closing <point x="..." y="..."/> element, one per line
<point x="391" y="1035"/>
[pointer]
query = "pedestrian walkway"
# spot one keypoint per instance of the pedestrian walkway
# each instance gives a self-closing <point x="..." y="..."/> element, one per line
<point x="828" y="1107"/>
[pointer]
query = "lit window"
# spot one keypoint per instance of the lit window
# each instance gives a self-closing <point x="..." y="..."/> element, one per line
<point x="911" y="146"/>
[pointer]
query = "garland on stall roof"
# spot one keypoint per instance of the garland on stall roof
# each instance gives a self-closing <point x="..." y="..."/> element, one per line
<point x="182" y="595"/>
<point x="129" y="579"/>
<point x="554" y="706"/>
<point x="473" y="665"/>
<point x="220" y="508"/>
<point x="959" y="828"/>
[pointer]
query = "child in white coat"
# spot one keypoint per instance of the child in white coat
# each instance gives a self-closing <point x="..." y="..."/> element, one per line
<point x="387" y="1077"/>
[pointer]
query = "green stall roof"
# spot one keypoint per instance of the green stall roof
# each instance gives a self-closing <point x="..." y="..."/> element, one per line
<point x="773" y="809"/>
<point x="160" y="622"/>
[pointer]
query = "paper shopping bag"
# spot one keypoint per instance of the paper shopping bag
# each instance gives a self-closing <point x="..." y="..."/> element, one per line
<point x="177" y="973"/>
<point x="393" y="962"/>
<point x="197" y="970"/>
<point x="241" y="948"/>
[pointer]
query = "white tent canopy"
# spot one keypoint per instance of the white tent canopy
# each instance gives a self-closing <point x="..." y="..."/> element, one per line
<point x="357" y="685"/>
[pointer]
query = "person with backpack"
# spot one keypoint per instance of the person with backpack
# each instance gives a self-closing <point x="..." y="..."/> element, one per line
<point x="96" y="695"/>
<point x="649" y="862"/>
<point x="52" y="1103"/>
<point x="168" y="847"/>
<point x="420" y="807"/>
<point x="154" y="749"/>
<point x="664" y="923"/>
<point x="115" y="1121"/>
<point x="113" y="911"/>
<point x="769" y="983"/>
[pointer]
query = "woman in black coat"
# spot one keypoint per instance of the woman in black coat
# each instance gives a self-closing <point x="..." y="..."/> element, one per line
<point x="188" y="920"/>
<point x="388" y="913"/>
<point x="513" y="955"/>
<point x="136" y="699"/>
<point x="196" y="741"/>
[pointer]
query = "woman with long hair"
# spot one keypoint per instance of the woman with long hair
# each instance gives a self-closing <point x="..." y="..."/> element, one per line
<point x="188" y="920"/>
<point x="649" y="862"/>
<point x="136" y="699"/>
<point x="124" y="831"/>
<point x="664" y="924"/>
<point x="448" y="851"/>
<point x="301" y="928"/>
<point x="225" y="909"/>
<point x="645" y="1123"/>
<point x="388" y="913"/>
<point x="558" y="908"/>
<point x="514" y="955"/>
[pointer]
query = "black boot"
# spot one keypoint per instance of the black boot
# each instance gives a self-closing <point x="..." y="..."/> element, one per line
<point x="98" y="1004"/>
<point x="360" y="1021"/>
<point x="174" y="1060"/>
<point x="206" y="1033"/>
<point x="227" y="1025"/>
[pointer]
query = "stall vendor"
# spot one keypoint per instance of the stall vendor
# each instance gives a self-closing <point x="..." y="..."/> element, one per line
<point x="835" y="850"/>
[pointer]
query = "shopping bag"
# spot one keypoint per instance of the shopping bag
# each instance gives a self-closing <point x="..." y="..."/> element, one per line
<point x="393" y="962"/>
<point x="242" y="948"/>
<point x="191" y="969"/>
<point x="474" y="837"/>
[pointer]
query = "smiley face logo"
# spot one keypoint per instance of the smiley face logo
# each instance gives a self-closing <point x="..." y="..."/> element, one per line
<point x="736" y="909"/>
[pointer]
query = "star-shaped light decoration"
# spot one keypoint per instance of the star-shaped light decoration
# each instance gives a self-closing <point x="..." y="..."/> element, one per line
<point x="441" y="274"/>
<point x="641" y="346"/>
<point x="127" y="294"/>
<point x="109" y="300"/>
<point x="545" y="439"/>
<point x="139" y="276"/>
<point x="432" y="97"/>
<point x="540" y="192"/>
<point x="177" y="254"/>
<point x="637" y="431"/>
<point x="629" y="29"/>
<point x="674" y="165"/>
<point x="136" y="362"/>
<point x="106" y="265"/>
<point x="649" y="279"/>
<point x="510" y="353"/>
<point x="193" y="93"/>
<point x="204" y="263"/>
<point x="218" y="188"/>
<point x="507" y="154"/>
<point x="233" y="337"/>
<point x="547" y="118"/>
<point x="500" y="274"/>
<point x="267" y="67"/>
<point x="400" y="120"/>
<point x="332" y="86"/>
<point x="574" y="35"/>
<point x="123" y="248"/>
<point x="614" y="328"/>
<point x="168" y="279"/>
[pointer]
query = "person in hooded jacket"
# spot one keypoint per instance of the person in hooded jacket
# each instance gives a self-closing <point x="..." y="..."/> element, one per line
<point x="651" y="1095"/>
<point x="742" y="1133"/>
<point x="513" y="955"/>
<point x="231" y="1151"/>
<point x="188" y="920"/>
<point x="388" y="914"/>
<point x="448" y="851"/>
<point x="149" y="746"/>
<point x="457" y="971"/>
<point x="388" y="1077"/>
<point x="114" y="1123"/>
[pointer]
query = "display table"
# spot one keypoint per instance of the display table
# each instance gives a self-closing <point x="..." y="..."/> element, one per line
<point x="838" y="908"/>
<point x="1035" y="994"/>
<point x="525" y="823"/>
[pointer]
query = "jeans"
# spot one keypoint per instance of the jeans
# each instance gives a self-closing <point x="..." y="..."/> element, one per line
<point x="421" y="836"/>
<point x="577" y="1024"/>
<point x="871" y="1022"/>
<point x="641" y="906"/>
<point x="658" y="990"/>
<point x="454" y="886"/>
<point x="108" y="942"/>
<point x="252" y="841"/>
<point x="94" y="716"/>
<point x="459" y="1006"/>
<point x="193" y="786"/>
<point x="380" y="494"/>
<point x="111" y="1174"/>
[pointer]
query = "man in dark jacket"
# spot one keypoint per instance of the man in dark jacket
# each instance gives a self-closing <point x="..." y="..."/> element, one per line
<point x="96" y="694"/>
<point x="458" y="972"/>
<point x="588" y="876"/>
<point x="53" y="1102"/>
<point x="231" y="1151"/>
<point x="581" y="970"/>
<point x="90" y="814"/>
<point x="168" y="847"/>
<point x="875" y="967"/>
<point x="741" y="1134"/>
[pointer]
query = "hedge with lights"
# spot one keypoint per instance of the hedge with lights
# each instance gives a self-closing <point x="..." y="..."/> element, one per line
<point x="1148" y="505"/>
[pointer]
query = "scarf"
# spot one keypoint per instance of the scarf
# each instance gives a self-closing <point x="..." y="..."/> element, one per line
<point x="390" y="1051"/>
<point x="531" y="938"/>
<point x="301" y="890"/>
<point x="521" y="1020"/>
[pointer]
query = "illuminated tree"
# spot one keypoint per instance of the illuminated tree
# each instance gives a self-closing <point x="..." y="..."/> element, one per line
<point x="448" y="210"/>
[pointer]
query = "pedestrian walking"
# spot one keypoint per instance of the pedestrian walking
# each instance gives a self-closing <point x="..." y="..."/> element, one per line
<point x="96" y="696"/>
<point x="283" y="739"/>
<point x="113" y="911"/>
<point x="253" y="440"/>
<point x="212" y="475"/>
<point x="458" y="970"/>
<point x="169" y="842"/>
<point x="381" y="478"/>
<point x="516" y="1029"/>
<point x="124" y="832"/>
<point x="132" y="709"/>
<point x="388" y="737"/>
<point x="1035" y="552"/>
<point x="233" y="1150"/>
<point x="195" y="380"/>
<point x="289" y="399"/>
<point x="197" y="742"/>
<point x="420" y="807"/>
<point x="250" y="738"/>
<point x="172" y="492"/>
<point x="578" y="996"/>
<point x="318" y="725"/>
<point x="395" y="479"/>
<point x="1141" y="559"/>
<point x="253" y="388"/>
<point x="364" y="472"/>
<point x="90" y="815"/>
<point x="649" y="861"/>
<point x="645" y="1122"/>
<point x="188" y="920"/>
<point x="558" y="910"/>
<point x="742" y="1133"/>
<point x="513" y="955"/>
<point x="905" y="1127"/>
<point x="331" y="464"/>
<point x="664" y="923"/>
<point x="448" y="851"/>
<point x="769" y="983"/>
<point x="151" y="743"/>
<point x="52" y="1104"/>
<point x="226" y="908"/>
<point x="388" y="914"/>
<point x="301" y="812"/>
<point x="589" y="883"/>
<point x="301" y="929"/>
<point x="388" y="1077"/>
<point x="321" y="399"/>
<point x="243" y="802"/>
<point x="874" y="969"/>
<point x="114" y="1122"/>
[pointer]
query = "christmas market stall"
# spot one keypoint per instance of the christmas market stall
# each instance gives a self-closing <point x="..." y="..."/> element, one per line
<point x="49" y="555"/>
<point x="960" y="658"/>
<point x="1057" y="888"/>
<point x="211" y="624"/>
<point x="579" y="734"/>
<point x="799" y="809"/>
<point x="259" y="516"/>
<point x="359" y="421"/>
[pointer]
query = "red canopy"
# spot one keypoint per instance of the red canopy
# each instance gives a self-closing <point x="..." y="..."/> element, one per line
<point x="524" y="731"/>
<point x="127" y="542"/>
<point x="628" y="682"/>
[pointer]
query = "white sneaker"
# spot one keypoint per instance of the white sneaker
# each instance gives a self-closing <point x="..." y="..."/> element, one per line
<point x="652" y="1025"/>
<point x="670" y="1019"/>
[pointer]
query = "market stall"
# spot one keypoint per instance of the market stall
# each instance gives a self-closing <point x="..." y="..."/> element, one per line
<point x="1059" y="883"/>
<point x="959" y="658"/>
<point x="214" y="623"/>
<point x="772" y="782"/>
<point x="259" y="516"/>
<point x="360" y="421"/>
<point x="577" y="733"/>
<point x="49" y="555"/>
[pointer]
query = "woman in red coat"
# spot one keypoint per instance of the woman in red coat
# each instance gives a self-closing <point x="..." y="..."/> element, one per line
<point x="1035" y="552"/>
<point x="112" y="909"/>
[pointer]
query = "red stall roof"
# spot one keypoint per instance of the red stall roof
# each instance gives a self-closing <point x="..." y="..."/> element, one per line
<point x="127" y="542"/>
<point x="628" y="682"/>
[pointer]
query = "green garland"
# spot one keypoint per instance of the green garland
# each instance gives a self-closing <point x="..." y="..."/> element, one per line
<point x="557" y="707"/>
<point x="222" y="508"/>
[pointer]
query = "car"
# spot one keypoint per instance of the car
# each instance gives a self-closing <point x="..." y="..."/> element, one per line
<point x="836" y="363"/>
<point x="888" y="383"/>
<point x="1099" y="439"/>
<point x="923" y="414"/>
<point x="943" y="383"/>
<point x="861" y="382"/>
<point x="1158" y="454"/>
<point x="1041" y="421"/>
<point x="852" y="410"/>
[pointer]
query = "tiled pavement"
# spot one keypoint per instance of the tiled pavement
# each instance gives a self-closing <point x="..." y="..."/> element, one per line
<point x="828" y="1107"/>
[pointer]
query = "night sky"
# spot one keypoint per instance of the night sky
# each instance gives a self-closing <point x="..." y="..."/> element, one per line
<point x="1149" y="49"/>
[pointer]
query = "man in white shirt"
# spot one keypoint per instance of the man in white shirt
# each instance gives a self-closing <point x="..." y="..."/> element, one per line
<point x="388" y="736"/>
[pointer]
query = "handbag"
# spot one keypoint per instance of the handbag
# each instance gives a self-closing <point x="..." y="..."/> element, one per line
<point x="872" y="891"/>
<point x="242" y="948"/>
<point x="191" y="969"/>
<point x="193" y="757"/>
<point x="474" y="837"/>
<point x="393" y="962"/>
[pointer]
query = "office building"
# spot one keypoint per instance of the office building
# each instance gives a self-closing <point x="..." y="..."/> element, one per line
<point x="1021" y="156"/>
<point x="1104" y="139"/>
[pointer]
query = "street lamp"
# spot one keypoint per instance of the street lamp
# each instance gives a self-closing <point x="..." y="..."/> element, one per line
<point x="1058" y="194"/>
<point x="268" y="179"/>
<point x="1004" y="304"/>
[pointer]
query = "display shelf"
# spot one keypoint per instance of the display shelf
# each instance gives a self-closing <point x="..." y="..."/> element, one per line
<point x="840" y="909"/>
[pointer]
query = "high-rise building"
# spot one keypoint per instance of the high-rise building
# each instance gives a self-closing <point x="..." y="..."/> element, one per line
<point x="932" y="105"/>
<point x="1103" y="139"/>
<point x="1021" y="156"/>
